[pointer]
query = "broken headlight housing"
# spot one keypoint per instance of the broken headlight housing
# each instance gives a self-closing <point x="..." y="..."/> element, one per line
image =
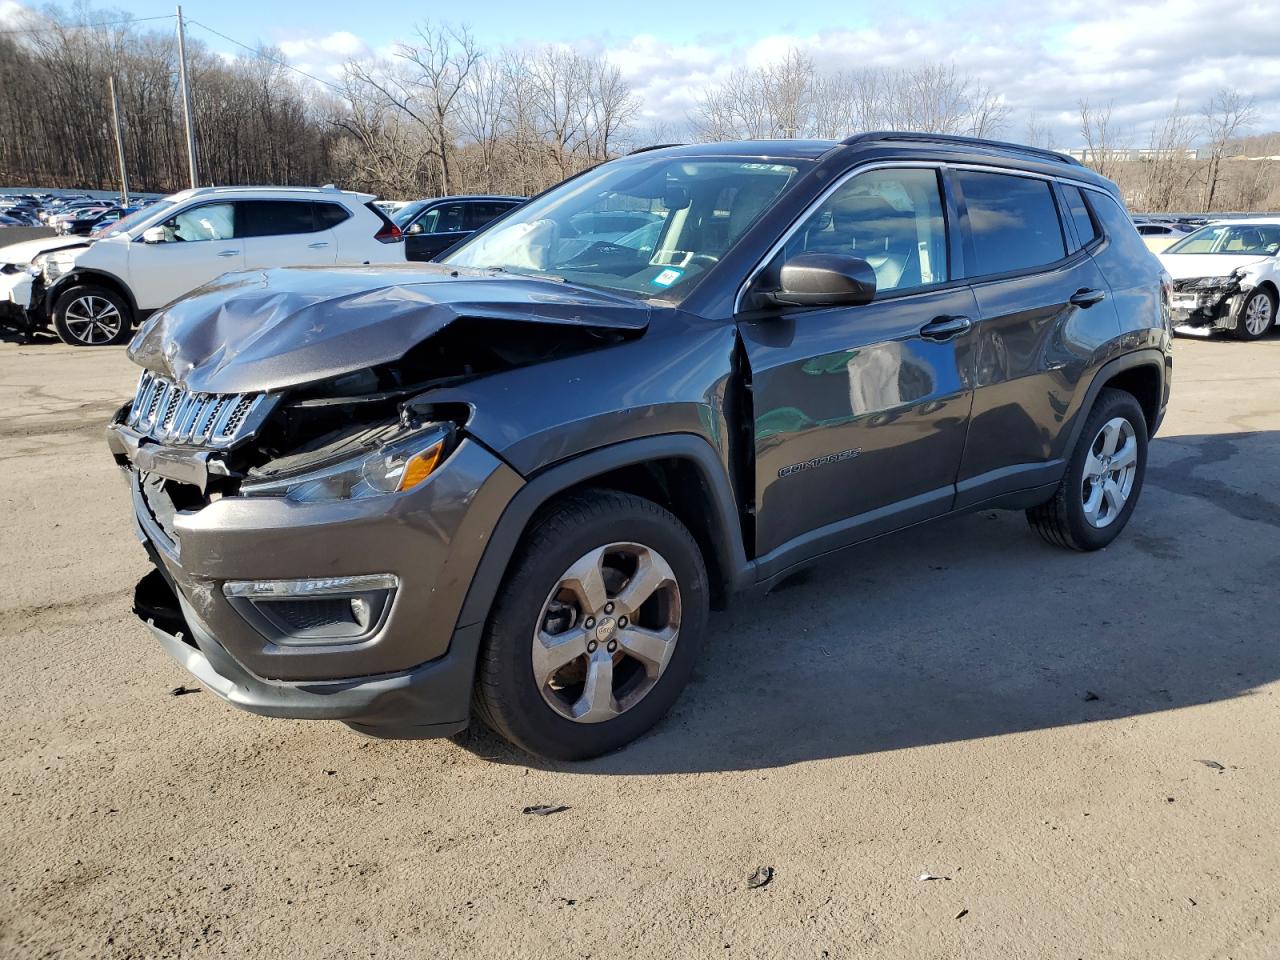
<point x="396" y="466"/>
<point x="53" y="265"/>
<point x="1210" y="283"/>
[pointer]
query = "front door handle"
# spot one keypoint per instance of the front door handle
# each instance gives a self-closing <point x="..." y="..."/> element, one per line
<point x="318" y="244"/>
<point x="1086" y="298"/>
<point x="229" y="253"/>
<point x="944" y="328"/>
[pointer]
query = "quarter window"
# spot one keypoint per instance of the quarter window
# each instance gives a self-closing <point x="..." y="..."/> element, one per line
<point x="1086" y="231"/>
<point x="1013" y="220"/>
<point x="890" y="218"/>
<point x="329" y="215"/>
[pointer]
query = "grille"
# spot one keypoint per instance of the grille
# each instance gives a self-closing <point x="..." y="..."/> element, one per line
<point x="169" y="412"/>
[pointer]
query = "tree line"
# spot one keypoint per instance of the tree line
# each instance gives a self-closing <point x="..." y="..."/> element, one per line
<point x="441" y="114"/>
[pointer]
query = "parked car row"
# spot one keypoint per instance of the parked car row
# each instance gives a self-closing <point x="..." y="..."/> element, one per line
<point x="112" y="267"/>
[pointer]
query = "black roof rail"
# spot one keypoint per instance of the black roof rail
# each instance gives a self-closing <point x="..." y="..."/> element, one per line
<point x="880" y="135"/>
<point x="654" y="146"/>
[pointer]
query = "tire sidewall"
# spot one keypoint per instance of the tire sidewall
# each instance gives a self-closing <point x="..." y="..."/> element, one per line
<point x="523" y="714"/>
<point x="68" y="297"/>
<point x="1111" y="404"/>
<point x="1242" y="331"/>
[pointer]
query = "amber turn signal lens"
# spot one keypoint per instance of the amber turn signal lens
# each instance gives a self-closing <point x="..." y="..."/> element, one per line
<point x="420" y="466"/>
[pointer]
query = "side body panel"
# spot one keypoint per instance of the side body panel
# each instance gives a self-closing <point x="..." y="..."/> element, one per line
<point x="855" y="414"/>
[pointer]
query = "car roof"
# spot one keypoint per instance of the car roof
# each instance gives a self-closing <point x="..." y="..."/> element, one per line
<point x="890" y="145"/>
<point x="272" y="193"/>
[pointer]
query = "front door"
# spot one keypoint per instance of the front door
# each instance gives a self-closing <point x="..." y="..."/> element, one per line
<point x="200" y="242"/>
<point x="861" y="412"/>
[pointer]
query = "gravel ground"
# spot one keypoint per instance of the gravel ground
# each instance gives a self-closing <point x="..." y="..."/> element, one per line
<point x="1041" y="729"/>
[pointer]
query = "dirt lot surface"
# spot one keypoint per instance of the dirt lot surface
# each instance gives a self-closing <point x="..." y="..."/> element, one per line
<point x="1043" y="729"/>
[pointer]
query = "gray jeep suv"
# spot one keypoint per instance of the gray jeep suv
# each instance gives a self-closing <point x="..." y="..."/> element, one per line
<point x="518" y="479"/>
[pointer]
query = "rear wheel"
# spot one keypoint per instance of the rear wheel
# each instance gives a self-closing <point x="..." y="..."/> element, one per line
<point x="596" y="629"/>
<point x="1104" y="477"/>
<point x="1257" y="315"/>
<point x="91" y="316"/>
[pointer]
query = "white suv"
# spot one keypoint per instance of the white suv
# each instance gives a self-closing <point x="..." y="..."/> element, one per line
<point x="94" y="292"/>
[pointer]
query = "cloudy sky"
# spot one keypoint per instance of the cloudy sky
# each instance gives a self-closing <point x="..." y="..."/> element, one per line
<point x="1041" y="57"/>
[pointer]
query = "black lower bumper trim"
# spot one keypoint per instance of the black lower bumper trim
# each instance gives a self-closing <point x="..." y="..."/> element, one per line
<point x="432" y="700"/>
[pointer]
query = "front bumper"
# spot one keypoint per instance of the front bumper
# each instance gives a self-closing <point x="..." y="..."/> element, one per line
<point x="412" y="674"/>
<point x="431" y="700"/>
<point x="1206" y="310"/>
<point x="19" y="293"/>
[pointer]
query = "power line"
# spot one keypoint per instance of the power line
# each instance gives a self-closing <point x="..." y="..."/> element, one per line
<point x="87" y="26"/>
<point x="258" y="52"/>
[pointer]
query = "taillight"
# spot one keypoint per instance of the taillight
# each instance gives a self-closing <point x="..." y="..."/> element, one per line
<point x="389" y="232"/>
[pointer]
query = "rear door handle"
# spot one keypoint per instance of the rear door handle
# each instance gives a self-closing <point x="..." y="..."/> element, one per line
<point x="1086" y="298"/>
<point x="318" y="244"/>
<point x="944" y="328"/>
<point x="229" y="253"/>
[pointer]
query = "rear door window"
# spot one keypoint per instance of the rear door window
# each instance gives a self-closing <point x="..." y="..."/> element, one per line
<point x="1013" y="222"/>
<point x="275" y="218"/>
<point x="480" y="213"/>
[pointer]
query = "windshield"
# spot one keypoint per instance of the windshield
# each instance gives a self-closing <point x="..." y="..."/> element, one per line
<point x="641" y="226"/>
<point x="134" y="220"/>
<point x="1262" y="240"/>
<point x="406" y="213"/>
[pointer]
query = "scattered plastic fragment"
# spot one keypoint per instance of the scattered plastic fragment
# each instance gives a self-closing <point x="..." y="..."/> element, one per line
<point x="1213" y="765"/>
<point x="760" y="878"/>
<point x="962" y="913"/>
<point x="544" y="809"/>
<point x="930" y="876"/>
<point x="179" y="691"/>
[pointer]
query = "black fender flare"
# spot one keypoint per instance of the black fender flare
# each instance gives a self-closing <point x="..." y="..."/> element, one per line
<point x="1145" y="357"/>
<point x="80" y="275"/>
<point x="548" y="483"/>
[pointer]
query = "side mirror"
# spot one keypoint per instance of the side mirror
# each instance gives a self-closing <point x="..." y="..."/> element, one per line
<point x="153" y="235"/>
<point x="414" y="230"/>
<point x="823" y="280"/>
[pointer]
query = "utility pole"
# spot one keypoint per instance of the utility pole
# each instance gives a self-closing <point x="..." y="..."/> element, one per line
<point x="184" y="81"/>
<point x="115" y="122"/>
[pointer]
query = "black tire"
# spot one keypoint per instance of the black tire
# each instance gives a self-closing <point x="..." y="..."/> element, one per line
<point x="73" y="308"/>
<point x="508" y="698"/>
<point x="1241" y="331"/>
<point x="1062" y="520"/>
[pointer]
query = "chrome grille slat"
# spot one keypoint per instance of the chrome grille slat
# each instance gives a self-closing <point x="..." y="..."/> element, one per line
<point x="170" y="413"/>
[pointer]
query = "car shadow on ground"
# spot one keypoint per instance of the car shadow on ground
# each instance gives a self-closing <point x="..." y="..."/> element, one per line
<point x="973" y="627"/>
<point x="10" y="335"/>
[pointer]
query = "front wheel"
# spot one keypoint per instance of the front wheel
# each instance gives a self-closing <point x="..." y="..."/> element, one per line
<point x="1257" y="316"/>
<point x="596" y="629"/>
<point x="91" y="316"/>
<point x="1104" y="477"/>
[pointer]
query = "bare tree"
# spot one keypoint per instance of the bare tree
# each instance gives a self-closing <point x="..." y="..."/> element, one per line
<point x="1099" y="135"/>
<point x="1225" y="116"/>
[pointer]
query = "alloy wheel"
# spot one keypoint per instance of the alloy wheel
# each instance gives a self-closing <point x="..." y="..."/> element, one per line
<point x="606" y="632"/>
<point x="93" y="320"/>
<point x="1257" y="315"/>
<point x="1109" y="472"/>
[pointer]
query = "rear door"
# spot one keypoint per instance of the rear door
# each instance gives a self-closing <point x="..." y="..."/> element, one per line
<point x="1044" y="310"/>
<point x="284" y="233"/>
<point x="861" y="412"/>
<point x="201" y="242"/>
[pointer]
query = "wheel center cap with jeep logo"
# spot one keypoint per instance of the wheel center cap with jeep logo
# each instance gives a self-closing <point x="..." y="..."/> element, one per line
<point x="606" y="629"/>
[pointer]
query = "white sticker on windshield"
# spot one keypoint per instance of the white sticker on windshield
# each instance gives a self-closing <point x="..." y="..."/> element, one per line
<point x="667" y="277"/>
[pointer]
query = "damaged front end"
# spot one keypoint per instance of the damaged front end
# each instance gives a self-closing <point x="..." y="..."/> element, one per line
<point x="1205" y="304"/>
<point x="317" y="533"/>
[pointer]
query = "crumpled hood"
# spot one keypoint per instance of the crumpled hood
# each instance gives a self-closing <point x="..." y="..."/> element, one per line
<point x="1184" y="266"/>
<point x="269" y="329"/>
<point x="27" y="250"/>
